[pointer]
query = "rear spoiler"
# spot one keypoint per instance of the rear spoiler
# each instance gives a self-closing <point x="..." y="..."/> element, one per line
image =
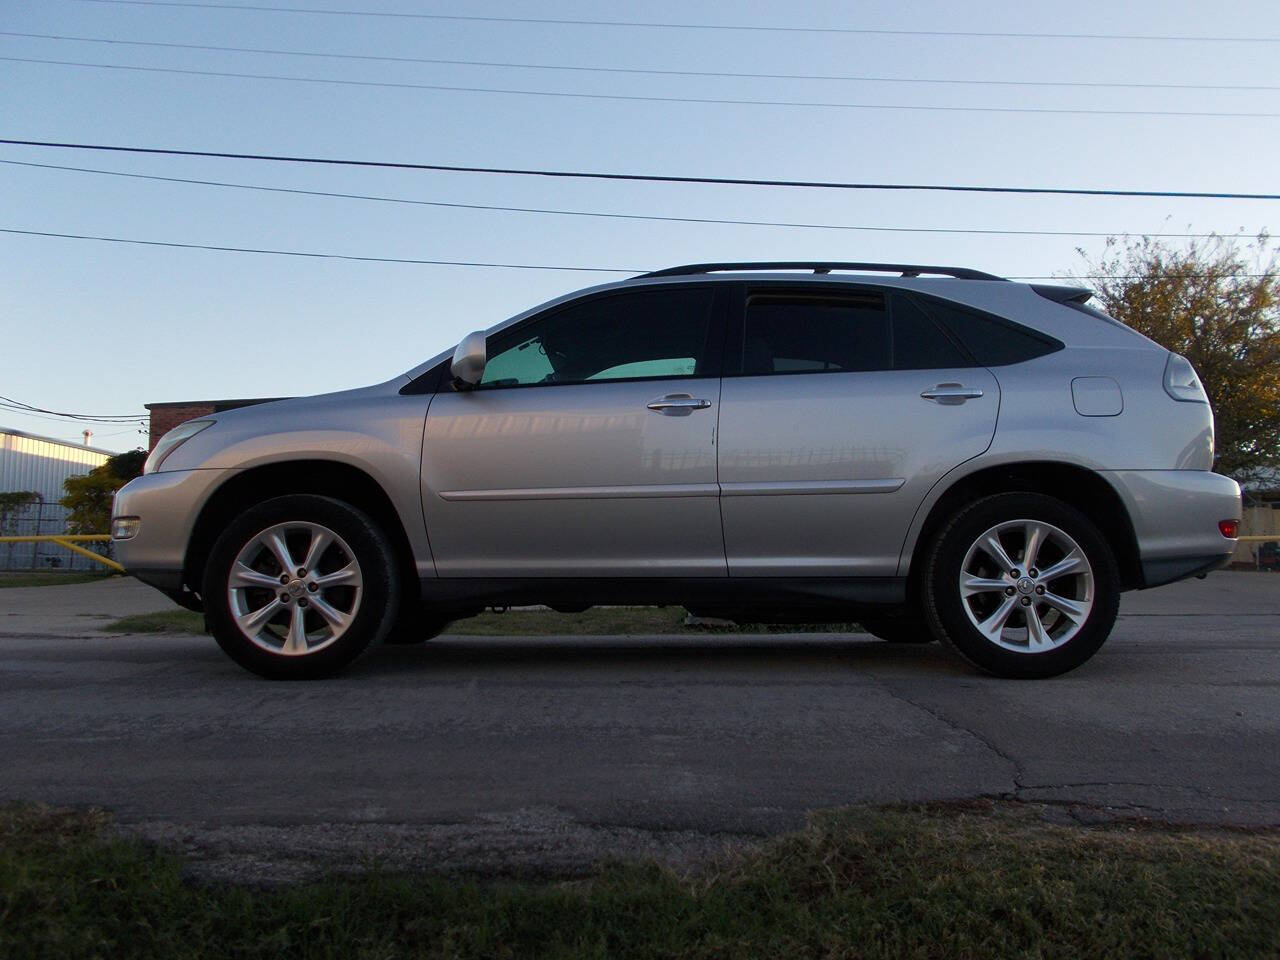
<point x="1065" y="295"/>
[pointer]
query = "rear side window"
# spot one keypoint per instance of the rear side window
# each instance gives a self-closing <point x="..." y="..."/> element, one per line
<point x="992" y="341"/>
<point x="793" y="332"/>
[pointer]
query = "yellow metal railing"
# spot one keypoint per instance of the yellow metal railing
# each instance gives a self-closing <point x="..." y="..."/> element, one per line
<point x="71" y="541"/>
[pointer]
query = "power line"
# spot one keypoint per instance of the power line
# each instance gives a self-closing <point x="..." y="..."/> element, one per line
<point x="467" y="263"/>
<point x="319" y="256"/>
<point x="13" y="404"/>
<point x="645" y="71"/>
<point x="558" y="21"/>
<point x="637" y="98"/>
<point x="591" y="213"/>
<point x="646" y="178"/>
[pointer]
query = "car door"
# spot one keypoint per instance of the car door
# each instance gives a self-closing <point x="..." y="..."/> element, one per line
<point x="588" y="447"/>
<point x="841" y="407"/>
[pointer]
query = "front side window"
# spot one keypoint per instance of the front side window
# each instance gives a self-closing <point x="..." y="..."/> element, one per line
<point x="633" y="335"/>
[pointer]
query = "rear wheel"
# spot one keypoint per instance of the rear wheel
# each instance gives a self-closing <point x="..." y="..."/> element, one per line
<point x="299" y="586"/>
<point x="1022" y="585"/>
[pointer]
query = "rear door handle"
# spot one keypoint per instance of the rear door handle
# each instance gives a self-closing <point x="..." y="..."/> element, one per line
<point x="678" y="404"/>
<point x="950" y="394"/>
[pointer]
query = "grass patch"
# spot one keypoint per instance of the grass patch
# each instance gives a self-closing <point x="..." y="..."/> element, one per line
<point x="42" y="579"/>
<point x="162" y="621"/>
<point x="975" y="883"/>
<point x="598" y="621"/>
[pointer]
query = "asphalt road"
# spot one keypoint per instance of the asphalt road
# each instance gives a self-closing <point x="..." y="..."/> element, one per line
<point x="552" y="752"/>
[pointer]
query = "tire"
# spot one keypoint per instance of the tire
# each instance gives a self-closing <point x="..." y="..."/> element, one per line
<point x="899" y="629"/>
<point x="416" y="624"/>
<point x="1041" y="622"/>
<point x="286" y="626"/>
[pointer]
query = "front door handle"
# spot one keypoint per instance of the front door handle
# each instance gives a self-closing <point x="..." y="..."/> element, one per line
<point x="950" y="394"/>
<point x="678" y="404"/>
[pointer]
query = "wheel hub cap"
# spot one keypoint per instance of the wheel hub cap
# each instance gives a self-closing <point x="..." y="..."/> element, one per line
<point x="1017" y="611"/>
<point x="294" y="615"/>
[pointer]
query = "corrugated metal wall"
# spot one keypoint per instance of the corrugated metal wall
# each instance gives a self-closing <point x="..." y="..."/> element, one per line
<point x="40" y="465"/>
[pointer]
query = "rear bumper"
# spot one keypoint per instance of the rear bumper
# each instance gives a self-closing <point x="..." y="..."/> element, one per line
<point x="1175" y="515"/>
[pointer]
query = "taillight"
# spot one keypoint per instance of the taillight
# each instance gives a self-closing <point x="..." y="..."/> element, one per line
<point x="1229" y="528"/>
<point x="1181" y="382"/>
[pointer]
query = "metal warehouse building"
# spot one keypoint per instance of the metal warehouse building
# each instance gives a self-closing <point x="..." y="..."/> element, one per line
<point x="40" y="465"/>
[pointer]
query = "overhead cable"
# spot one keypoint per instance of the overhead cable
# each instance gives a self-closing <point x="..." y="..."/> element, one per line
<point x="552" y="211"/>
<point x="637" y="98"/>
<point x="647" y="71"/>
<point x="666" y="25"/>
<point x="646" y="178"/>
<point x="466" y="263"/>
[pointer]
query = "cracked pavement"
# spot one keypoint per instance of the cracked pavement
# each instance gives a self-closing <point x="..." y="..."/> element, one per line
<point x="556" y="752"/>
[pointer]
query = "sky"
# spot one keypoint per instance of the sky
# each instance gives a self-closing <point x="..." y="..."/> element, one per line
<point x="103" y="328"/>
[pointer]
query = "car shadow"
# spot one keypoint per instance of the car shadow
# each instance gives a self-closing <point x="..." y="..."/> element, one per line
<point x="763" y="651"/>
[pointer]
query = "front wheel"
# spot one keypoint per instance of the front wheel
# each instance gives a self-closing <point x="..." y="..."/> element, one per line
<point x="1022" y="585"/>
<point x="299" y="586"/>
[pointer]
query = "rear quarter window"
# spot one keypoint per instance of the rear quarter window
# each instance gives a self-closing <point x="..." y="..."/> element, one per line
<point x="993" y="341"/>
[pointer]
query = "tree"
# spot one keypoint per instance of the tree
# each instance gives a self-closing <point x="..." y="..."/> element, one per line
<point x="12" y="504"/>
<point x="1219" y="307"/>
<point x="89" y="496"/>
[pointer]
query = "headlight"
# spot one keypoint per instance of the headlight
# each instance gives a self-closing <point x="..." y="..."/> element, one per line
<point x="1181" y="382"/>
<point x="171" y="441"/>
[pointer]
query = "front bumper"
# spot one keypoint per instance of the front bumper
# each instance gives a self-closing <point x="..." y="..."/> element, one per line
<point x="168" y="504"/>
<point x="1175" y="516"/>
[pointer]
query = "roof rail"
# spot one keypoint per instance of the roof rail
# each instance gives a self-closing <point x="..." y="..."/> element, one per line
<point x="820" y="267"/>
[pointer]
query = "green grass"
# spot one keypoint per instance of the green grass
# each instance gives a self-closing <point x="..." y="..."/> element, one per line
<point x="162" y="621"/>
<point x="598" y="621"/>
<point x="43" y="579"/>
<point x="971" y="882"/>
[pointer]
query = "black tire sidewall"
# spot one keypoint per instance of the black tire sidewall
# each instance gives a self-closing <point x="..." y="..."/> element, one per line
<point x="380" y="592"/>
<point x="416" y="624"/>
<point x="945" y="609"/>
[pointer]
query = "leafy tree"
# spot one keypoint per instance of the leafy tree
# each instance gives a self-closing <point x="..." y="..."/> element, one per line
<point x="89" y="496"/>
<point x="12" y="503"/>
<point x="1218" y="306"/>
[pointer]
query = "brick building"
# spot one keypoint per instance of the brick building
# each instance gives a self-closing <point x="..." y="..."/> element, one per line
<point x="166" y="416"/>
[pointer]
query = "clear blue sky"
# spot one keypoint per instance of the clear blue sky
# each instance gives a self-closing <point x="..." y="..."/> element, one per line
<point x="105" y="328"/>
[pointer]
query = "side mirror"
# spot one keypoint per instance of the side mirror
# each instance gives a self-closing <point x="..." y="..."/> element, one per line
<point x="469" y="360"/>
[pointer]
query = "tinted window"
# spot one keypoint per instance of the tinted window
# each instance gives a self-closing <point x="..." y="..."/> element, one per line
<point x="652" y="333"/>
<point x="918" y="343"/>
<point x="798" y="333"/>
<point x="992" y="341"/>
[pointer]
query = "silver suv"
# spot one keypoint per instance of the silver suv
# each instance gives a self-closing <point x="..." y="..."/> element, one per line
<point x="933" y="452"/>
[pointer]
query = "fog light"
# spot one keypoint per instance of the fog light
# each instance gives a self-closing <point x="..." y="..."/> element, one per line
<point x="1229" y="528"/>
<point x="125" y="528"/>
